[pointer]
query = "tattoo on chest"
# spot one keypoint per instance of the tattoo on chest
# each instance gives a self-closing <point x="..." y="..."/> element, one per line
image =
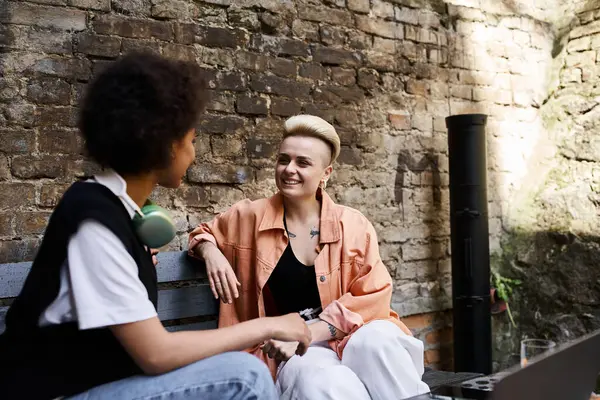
<point x="313" y="232"/>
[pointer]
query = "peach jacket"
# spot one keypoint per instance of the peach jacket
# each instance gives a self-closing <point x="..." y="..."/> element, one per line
<point x="354" y="284"/>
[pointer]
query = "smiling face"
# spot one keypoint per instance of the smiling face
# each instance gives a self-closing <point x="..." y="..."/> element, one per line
<point x="302" y="163"/>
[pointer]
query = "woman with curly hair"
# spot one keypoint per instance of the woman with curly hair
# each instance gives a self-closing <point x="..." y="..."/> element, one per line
<point x="85" y="324"/>
<point x="299" y="252"/>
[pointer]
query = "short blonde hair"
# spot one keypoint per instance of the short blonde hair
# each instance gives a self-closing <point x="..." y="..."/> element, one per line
<point x="311" y="125"/>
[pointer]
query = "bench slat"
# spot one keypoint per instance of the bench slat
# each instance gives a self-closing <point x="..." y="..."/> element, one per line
<point x="173" y="304"/>
<point x="186" y="302"/>
<point x="197" y="326"/>
<point x="173" y="266"/>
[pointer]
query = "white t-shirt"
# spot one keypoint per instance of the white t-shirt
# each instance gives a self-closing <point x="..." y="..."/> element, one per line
<point x="99" y="284"/>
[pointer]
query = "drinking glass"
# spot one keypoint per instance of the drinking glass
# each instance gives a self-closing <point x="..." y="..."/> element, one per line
<point x="531" y="348"/>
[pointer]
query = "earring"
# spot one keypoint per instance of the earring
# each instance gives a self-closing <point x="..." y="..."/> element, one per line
<point x="323" y="184"/>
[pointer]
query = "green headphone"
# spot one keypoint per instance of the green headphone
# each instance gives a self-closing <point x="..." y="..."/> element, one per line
<point x="154" y="226"/>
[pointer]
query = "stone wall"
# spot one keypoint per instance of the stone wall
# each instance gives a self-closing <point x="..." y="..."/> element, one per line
<point x="385" y="72"/>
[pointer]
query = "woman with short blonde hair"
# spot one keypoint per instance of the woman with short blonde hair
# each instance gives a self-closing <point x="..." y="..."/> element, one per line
<point x="299" y="252"/>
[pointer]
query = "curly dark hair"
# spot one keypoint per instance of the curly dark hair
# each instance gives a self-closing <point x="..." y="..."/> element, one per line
<point x="137" y="107"/>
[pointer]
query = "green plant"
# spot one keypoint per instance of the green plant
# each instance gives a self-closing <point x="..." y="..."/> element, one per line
<point x="504" y="287"/>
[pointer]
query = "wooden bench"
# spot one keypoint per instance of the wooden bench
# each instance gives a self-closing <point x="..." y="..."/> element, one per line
<point x="185" y="301"/>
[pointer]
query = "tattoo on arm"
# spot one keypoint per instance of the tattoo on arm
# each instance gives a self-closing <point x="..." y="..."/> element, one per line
<point x="332" y="329"/>
<point x="313" y="232"/>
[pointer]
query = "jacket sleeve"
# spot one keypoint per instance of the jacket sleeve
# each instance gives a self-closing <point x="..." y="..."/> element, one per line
<point x="217" y="230"/>
<point x="368" y="294"/>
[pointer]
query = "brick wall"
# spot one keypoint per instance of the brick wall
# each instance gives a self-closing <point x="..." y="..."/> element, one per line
<point x="385" y="72"/>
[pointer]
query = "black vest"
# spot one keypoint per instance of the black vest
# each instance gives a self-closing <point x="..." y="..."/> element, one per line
<point x="61" y="360"/>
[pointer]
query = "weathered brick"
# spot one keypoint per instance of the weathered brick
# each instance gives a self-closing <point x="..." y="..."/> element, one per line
<point x="219" y="101"/>
<point x="305" y="30"/>
<point x="4" y="168"/>
<point x="193" y="196"/>
<point x="400" y="119"/>
<point x="6" y="224"/>
<point x="417" y="87"/>
<point x="283" y="67"/>
<point x="384" y="45"/>
<point x="387" y="29"/>
<point x="9" y="89"/>
<point x="80" y="167"/>
<point x="359" y="40"/>
<point x="385" y="62"/>
<point x="132" y="28"/>
<point x="212" y="173"/>
<point x="333" y="35"/>
<point x="70" y="68"/>
<point x="320" y="110"/>
<point x="327" y="55"/>
<point x="98" y="45"/>
<point x="221" y="124"/>
<point x="407" y="15"/>
<point x="350" y="156"/>
<point x="368" y="78"/>
<point x="258" y="148"/>
<point x="29" y="167"/>
<point x="324" y="14"/>
<point x="42" y="40"/>
<point x="339" y="94"/>
<point x="184" y="33"/>
<point x="220" y="37"/>
<point x="49" y="91"/>
<point x="99" y="5"/>
<point x="243" y="18"/>
<point x="59" y="141"/>
<point x="18" y="250"/>
<point x="343" y="76"/>
<point x="21" y="114"/>
<point x="31" y="223"/>
<point x="179" y="52"/>
<point x="254" y="105"/>
<point x="285" y="107"/>
<point x="232" y="80"/>
<point x="422" y="122"/>
<point x="16" y="195"/>
<point x="273" y="23"/>
<point x="46" y="17"/>
<point x="461" y="92"/>
<point x="17" y="141"/>
<point x="313" y="71"/>
<point x="421" y="35"/>
<point x="229" y="147"/>
<point x="173" y="9"/>
<point x="382" y="9"/>
<point x="361" y="6"/>
<point x="56" y="116"/>
<point x="585" y="30"/>
<point x="251" y="61"/>
<point x="215" y="56"/>
<point x="131" y="45"/>
<point x="50" y="194"/>
<point x="278" y="45"/>
<point x="280" y="86"/>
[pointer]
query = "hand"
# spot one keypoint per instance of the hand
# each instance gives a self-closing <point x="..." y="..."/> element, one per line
<point x="154" y="252"/>
<point x="280" y="351"/>
<point x="292" y="328"/>
<point x="221" y="278"/>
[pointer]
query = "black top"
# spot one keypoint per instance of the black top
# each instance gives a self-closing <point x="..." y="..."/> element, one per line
<point x="294" y="286"/>
<point x="60" y="360"/>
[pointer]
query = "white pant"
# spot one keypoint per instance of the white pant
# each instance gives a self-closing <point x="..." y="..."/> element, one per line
<point x="380" y="362"/>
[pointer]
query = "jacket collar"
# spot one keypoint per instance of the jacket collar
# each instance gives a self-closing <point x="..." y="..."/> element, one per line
<point x="329" y="228"/>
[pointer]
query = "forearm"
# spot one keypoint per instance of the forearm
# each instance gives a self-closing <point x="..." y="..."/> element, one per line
<point x="157" y="351"/>
<point x="324" y="331"/>
<point x="202" y="249"/>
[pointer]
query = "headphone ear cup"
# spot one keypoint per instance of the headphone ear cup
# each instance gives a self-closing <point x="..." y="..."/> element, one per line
<point x="156" y="227"/>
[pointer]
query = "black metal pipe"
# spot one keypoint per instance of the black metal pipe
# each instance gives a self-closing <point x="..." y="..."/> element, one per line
<point x="469" y="236"/>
